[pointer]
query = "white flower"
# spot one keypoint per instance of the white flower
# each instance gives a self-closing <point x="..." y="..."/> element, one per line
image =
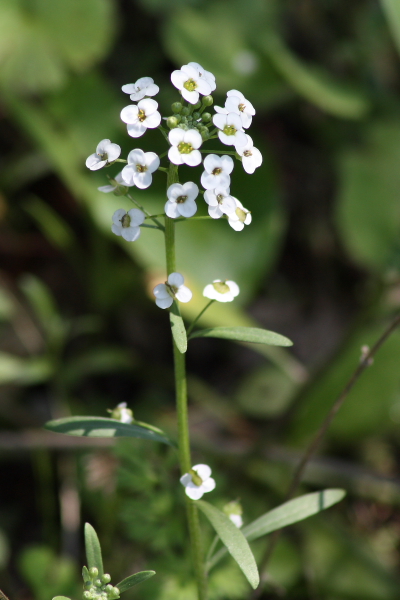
<point x="240" y="217"/>
<point x="141" y="116"/>
<point x="251" y="157"/>
<point x="198" y="481"/>
<point x="140" y="167"/>
<point x="127" y="224"/>
<point x="122" y="413"/>
<point x="144" y="86"/>
<point x="106" y="152"/>
<point x="236" y="520"/>
<point x="231" y="129"/>
<point x="165" y="293"/>
<point x="181" y="200"/>
<point x="191" y="82"/>
<point x="209" y="77"/>
<point x="117" y="181"/>
<point x="184" y="147"/>
<point x="217" y="171"/>
<point x="220" y="202"/>
<point x="238" y="104"/>
<point x="223" y="291"/>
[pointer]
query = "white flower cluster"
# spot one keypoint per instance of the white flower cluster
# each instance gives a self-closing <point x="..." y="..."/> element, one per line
<point x="190" y="125"/>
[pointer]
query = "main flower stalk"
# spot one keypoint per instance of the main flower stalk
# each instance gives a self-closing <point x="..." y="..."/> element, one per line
<point x="182" y="413"/>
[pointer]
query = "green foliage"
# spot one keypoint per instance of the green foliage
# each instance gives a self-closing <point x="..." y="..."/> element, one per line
<point x="93" y="550"/>
<point x="47" y="574"/>
<point x="178" y="328"/>
<point x="234" y="541"/>
<point x="104" y="427"/>
<point x="132" y="580"/>
<point x="244" y="334"/>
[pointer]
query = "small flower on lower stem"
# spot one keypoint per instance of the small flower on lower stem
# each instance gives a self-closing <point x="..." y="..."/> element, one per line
<point x="198" y="481"/>
<point x="251" y="156"/>
<point x="127" y="224"/>
<point x="181" y="200"/>
<point x="140" y="168"/>
<point x="234" y="511"/>
<point x="122" y="413"/>
<point x="241" y="217"/>
<point x="106" y="152"/>
<point x="172" y="289"/>
<point x="222" y="291"/>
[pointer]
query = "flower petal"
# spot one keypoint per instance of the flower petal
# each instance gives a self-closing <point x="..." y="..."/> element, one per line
<point x="188" y="208"/>
<point x="194" y="492"/>
<point x="175" y="279"/>
<point x="203" y="471"/>
<point x="130" y="234"/>
<point x="164" y="302"/>
<point x="129" y="114"/>
<point x="171" y="210"/>
<point x="193" y="159"/>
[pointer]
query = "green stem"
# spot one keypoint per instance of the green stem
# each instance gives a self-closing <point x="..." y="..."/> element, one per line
<point x="159" y="225"/>
<point x="189" y="331"/>
<point x="182" y="414"/>
<point x="233" y="152"/>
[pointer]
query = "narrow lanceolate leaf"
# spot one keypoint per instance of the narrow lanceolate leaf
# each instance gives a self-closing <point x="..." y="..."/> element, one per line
<point x="233" y="539"/>
<point x="288" y="513"/>
<point x="86" y="575"/>
<point x="93" y="549"/>
<point x="132" y="580"/>
<point x="178" y="328"/>
<point x="245" y="334"/>
<point x="105" y="427"/>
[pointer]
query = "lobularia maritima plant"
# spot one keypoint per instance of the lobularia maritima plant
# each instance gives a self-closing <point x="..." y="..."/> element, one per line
<point x="185" y="131"/>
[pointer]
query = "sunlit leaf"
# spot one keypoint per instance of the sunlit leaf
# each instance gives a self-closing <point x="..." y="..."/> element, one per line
<point x="245" y="334"/>
<point x="93" y="550"/>
<point x="104" y="427"/>
<point x="178" y="328"/>
<point x="234" y="540"/>
<point x="392" y="10"/>
<point x="24" y="371"/>
<point x="132" y="580"/>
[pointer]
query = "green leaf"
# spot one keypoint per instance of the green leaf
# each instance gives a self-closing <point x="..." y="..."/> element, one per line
<point x="178" y="328"/>
<point x="24" y="371"/>
<point x="391" y="8"/>
<point x="245" y="334"/>
<point x="132" y="580"/>
<point x="288" y="513"/>
<point x="93" y="549"/>
<point x="54" y="228"/>
<point x="86" y="575"/>
<point x="105" y="427"/>
<point x="61" y="598"/>
<point x="316" y="85"/>
<point x="234" y="541"/>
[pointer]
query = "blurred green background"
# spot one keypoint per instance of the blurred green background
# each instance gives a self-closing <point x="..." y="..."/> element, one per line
<point x="320" y="263"/>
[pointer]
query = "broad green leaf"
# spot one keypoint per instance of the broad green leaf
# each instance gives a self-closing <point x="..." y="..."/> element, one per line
<point x="233" y="539"/>
<point x="316" y="85"/>
<point x="245" y="334"/>
<point x="132" y="580"/>
<point x="391" y="8"/>
<point x="178" y="328"/>
<point x="93" y="549"/>
<point x="105" y="427"/>
<point x="288" y="513"/>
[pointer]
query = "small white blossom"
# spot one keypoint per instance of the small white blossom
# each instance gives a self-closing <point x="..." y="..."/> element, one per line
<point x="184" y="147"/>
<point x="141" y="165"/>
<point x="191" y="82"/>
<point x="144" y="86"/>
<point x="141" y="116"/>
<point x="236" y="520"/>
<point x="234" y="511"/>
<point x="106" y="152"/>
<point x="181" y="200"/>
<point x="220" y="202"/>
<point x="209" y="77"/>
<point x="198" y="481"/>
<point x="165" y="293"/>
<point x="217" y="171"/>
<point x="127" y="224"/>
<point x="240" y="217"/>
<point x="251" y="156"/>
<point x="223" y="291"/>
<point x="118" y="181"/>
<point x="238" y="104"/>
<point x="122" y="413"/>
<point x="230" y="129"/>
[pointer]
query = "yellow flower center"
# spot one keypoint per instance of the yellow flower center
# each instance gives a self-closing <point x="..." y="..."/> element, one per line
<point x="229" y="130"/>
<point x="141" y="115"/>
<point x="216" y="171"/>
<point x="190" y="85"/>
<point x="220" y="198"/>
<point x="181" y="199"/>
<point x="126" y="221"/>
<point x="221" y="287"/>
<point x="141" y="168"/>
<point x="247" y="153"/>
<point x="241" y="107"/>
<point x="185" y="148"/>
<point x="197" y="480"/>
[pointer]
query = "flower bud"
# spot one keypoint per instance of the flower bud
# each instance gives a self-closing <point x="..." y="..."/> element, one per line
<point x="98" y="583"/>
<point x="208" y="101"/>
<point x="178" y="117"/>
<point x="87" y="595"/>
<point x="205" y="117"/>
<point x="106" y="578"/>
<point x="205" y="134"/>
<point x="177" y="107"/>
<point x="93" y="572"/>
<point x="185" y="111"/>
<point x="197" y="105"/>
<point x="196" y="115"/>
<point x="172" y="122"/>
<point x="109" y="588"/>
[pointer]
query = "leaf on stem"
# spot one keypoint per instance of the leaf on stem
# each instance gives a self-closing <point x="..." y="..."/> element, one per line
<point x="178" y="328"/>
<point x="132" y="580"/>
<point x="245" y="334"/>
<point x="288" y="513"/>
<point x="86" y="575"/>
<point x="93" y="549"/>
<point x="105" y="427"/>
<point x="234" y="541"/>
